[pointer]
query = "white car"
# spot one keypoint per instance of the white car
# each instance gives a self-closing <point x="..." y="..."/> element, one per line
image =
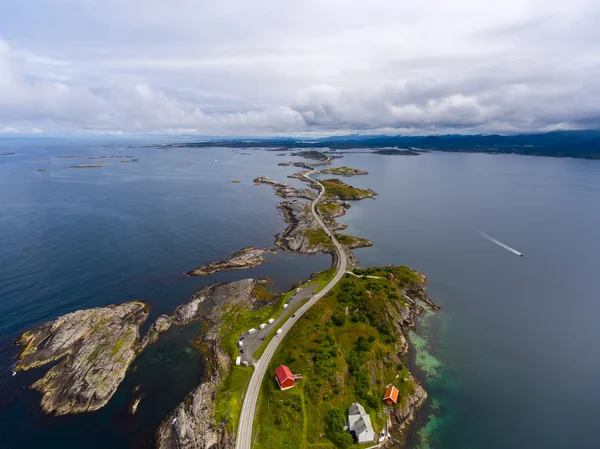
<point x="251" y="331"/>
<point x="298" y="290"/>
<point x="285" y="306"/>
<point x="271" y="320"/>
<point x="262" y="326"/>
<point x="278" y="333"/>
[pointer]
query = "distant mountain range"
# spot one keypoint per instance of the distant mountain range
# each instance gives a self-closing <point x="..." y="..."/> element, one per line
<point x="577" y="144"/>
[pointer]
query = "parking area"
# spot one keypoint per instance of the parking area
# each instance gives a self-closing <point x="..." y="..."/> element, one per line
<point x="251" y="342"/>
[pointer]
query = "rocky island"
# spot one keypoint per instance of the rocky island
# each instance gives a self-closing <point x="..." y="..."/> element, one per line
<point x="96" y="165"/>
<point x="93" y="349"/>
<point x="344" y="171"/>
<point x="245" y="258"/>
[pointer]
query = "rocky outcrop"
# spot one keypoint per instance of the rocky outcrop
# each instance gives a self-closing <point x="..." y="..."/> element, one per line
<point x="302" y="225"/>
<point x="284" y="164"/>
<point x="161" y="325"/>
<point x="404" y="414"/>
<point x="245" y="258"/>
<point x="93" y="347"/>
<point x="336" y="189"/>
<point x="352" y="242"/>
<point x="344" y="171"/>
<point x="285" y="190"/>
<point x="192" y="424"/>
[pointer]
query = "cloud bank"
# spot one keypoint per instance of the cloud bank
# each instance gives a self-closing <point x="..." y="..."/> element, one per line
<point x="317" y="67"/>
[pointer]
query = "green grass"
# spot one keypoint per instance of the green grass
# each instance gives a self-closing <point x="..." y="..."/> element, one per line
<point x="228" y="403"/>
<point x="345" y="171"/>
<point x="325" y="351"/>
<point x="318" y="237"/>
<point x="336" y="189"/>
<point x="321" y="281"/>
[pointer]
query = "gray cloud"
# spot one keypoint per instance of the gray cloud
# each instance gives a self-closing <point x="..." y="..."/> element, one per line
<point x="265" y="67"/>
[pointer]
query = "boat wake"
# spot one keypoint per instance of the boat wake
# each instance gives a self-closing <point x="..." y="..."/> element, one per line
<point x="499" y="243"/>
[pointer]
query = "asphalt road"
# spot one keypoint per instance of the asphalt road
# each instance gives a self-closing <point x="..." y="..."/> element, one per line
<point x="251" y="342"/>
<point x="244" y="434"/>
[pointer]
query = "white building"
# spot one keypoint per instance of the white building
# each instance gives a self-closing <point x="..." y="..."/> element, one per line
<point x="359" y="422"/>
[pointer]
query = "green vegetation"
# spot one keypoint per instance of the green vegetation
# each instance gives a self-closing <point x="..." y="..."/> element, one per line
<point x="334" y="427"/>
<point x="318" y="237"/>
<point x="228" y="404"/>
<point x="336" y="189"/>
<point x="351" y="241"/>
<point x="346" y="348"/>
<point x="345" y="171"/>
<point x="314" y="155"/>
<point x="321" y="280"/>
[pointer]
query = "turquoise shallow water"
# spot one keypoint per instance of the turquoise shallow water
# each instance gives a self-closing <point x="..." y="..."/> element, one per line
<point x="511" y="360"/>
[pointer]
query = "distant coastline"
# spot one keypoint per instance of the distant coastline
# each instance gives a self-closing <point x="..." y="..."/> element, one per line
<point x="575" y="144"/>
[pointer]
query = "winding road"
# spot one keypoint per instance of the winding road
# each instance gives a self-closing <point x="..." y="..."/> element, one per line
<point x="244" y="433"/>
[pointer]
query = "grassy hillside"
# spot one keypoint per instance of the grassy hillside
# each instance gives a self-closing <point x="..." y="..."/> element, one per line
<point x="346" y="348"/>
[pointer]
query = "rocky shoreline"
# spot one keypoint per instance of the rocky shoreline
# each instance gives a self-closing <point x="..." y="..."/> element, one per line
<point x="94" y="349"/>
<point x="192" y="424"/>
<point x="241" y="260"/>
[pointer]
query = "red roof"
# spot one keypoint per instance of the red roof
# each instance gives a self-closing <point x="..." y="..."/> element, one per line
<point x="391" y="394"/>
<point x="283" y="373"/>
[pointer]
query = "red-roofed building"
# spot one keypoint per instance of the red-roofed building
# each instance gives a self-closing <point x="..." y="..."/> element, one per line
<point x="391" y="395"/>
<point x="284" y="377"/>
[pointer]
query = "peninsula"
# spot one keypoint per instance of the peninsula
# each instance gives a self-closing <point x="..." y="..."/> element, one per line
<point x="351" y="344"/>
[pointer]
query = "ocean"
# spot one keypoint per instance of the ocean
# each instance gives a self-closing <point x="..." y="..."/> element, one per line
<point x="511" y="360"/>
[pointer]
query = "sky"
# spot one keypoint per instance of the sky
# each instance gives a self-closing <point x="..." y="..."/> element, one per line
<point x="314" y="67"/>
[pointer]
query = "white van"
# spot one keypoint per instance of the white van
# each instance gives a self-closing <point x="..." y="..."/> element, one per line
<point x="278" y="333"/>
<point x="251" y="331"/>
<point x="263" y="325"/>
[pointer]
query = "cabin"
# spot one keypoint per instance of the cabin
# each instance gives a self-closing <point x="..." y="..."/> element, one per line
<point x="359" y="423"/>
<point x="390" y="396"/>
<point x="284" y="377"/>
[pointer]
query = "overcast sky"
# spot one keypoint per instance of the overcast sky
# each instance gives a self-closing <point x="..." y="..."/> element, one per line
<point x="273" y="67"/>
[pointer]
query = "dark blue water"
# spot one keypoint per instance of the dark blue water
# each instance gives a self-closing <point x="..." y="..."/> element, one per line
<point x="512" y="359"/>
<point x="77" y="238"/>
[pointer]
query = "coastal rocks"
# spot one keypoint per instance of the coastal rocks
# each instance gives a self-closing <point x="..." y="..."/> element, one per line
<point x="161" y="325"/>
<point x="406" y="412"/>
<point x="303" y="235"/>
<point x="285" y="190"/>
<point x="245" y="258"/>
<point x="344" y="171"/>
<point x="336" y="189"/>
<point x="352" y="242"/>
<point x="284" y="164"/>
<point x="94" y="348"/>
<point x="329" y="212"/>
<point x="192" y="424"/>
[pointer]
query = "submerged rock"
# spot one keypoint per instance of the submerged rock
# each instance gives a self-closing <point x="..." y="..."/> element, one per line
<point x="241" y="260"/>
<point x="94" y="348"/>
